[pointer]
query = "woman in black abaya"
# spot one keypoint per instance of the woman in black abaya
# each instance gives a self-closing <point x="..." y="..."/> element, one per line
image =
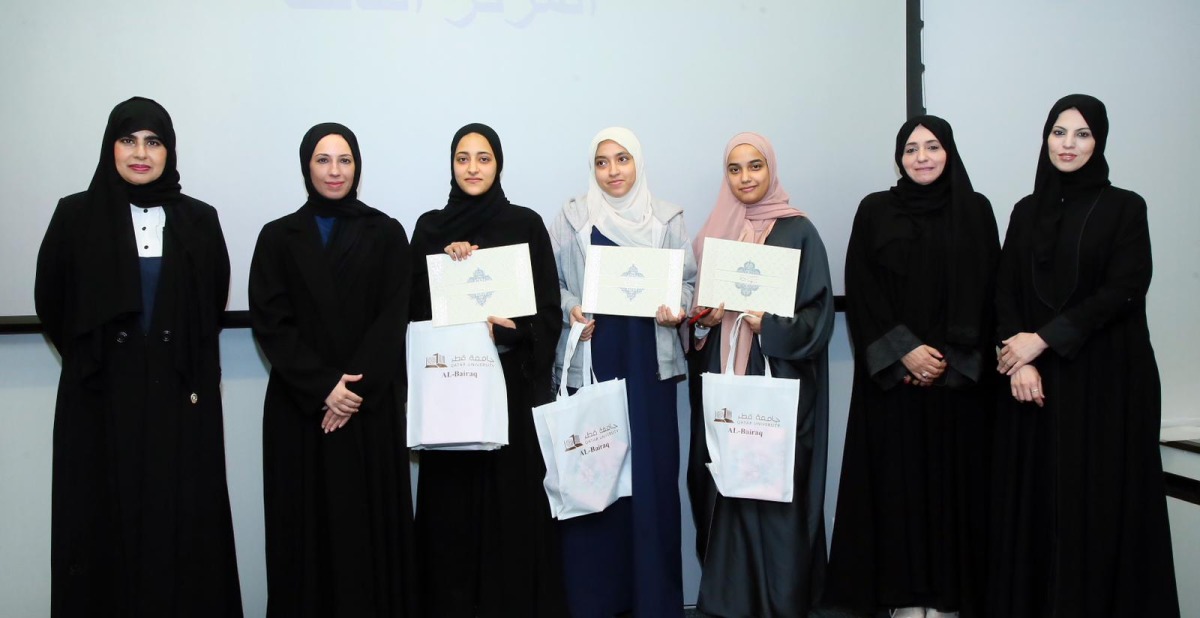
<point x="132" y="278"/>
<point x="329" y="288"/>
<point x="1080" y="514"/>
<point x="488" y="546"/>
<point x="919" y="273"/>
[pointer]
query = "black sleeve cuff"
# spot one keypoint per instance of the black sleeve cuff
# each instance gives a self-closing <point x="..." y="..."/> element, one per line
<point x="965" y="361"/>
<point x="510" y="336"/>
<point x="1062" y="336"/>
<point x="890" y="348"/>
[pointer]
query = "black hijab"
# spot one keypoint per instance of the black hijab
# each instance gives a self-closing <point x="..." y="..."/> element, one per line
<point x="1051" y="187"/>
<point x="347" y="206"/>
<point x="109" y="284"/>
<point x="465" y="213"/>
<point x="966" y="264"/>
<point x="127" y="118"/>
<point x="952" y="187"/>
<point x="108" y="281"/>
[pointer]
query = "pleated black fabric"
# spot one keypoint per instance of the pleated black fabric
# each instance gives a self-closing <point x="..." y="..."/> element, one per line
<point x="338" y="505"/>
<point x="488" y="546"/>
<point x="141" y="523"/>
<point x="911" y="503"/>
<point x="1080" y="522"/>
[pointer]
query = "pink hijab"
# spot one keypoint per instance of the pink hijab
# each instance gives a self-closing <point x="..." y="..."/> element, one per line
<point x="733" y="220"/>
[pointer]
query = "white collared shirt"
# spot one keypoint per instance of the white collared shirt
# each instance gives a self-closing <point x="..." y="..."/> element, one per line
<point x="148" y="224"/>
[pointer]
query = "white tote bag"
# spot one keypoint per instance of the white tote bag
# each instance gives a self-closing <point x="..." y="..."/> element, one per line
<point x="456" y="394"/>
<point x="750" y="429"/>
<point x="584" y="440"/>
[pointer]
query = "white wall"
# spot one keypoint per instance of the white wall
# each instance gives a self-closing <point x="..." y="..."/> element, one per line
<point x="993" y="69"/>
<point x="244" y="79"/>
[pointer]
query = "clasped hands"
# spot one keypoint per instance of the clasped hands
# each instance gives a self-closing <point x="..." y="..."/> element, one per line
<point x="341" y="404"/>
<point x="925" y="365"/>
<point x="1014" y="360"/>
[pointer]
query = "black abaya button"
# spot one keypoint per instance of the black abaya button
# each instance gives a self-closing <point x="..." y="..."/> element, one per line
<point x="122" y="336"/>
<point x="166" y="336"/>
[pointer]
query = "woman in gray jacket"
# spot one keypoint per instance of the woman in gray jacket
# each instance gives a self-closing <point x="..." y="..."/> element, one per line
<point x="637" y="539"/>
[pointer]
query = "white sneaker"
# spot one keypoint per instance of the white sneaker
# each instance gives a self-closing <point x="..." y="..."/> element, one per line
<point x="909" y="612"/>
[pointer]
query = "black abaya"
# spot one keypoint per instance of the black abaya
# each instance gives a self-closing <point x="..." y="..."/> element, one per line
<point x="1080" y="514"/>
<point x="488" y="546"/>
<point x="910" y="514"/>
<point x="1080" y="518"/>
<point x="337" y="505"/>
<point x="141" y="524"/>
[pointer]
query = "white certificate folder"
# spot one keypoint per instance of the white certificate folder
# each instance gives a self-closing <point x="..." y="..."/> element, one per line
<point x="632" y="281"/>
<point x="749" y="277"/>
<point x="496" y="281"/>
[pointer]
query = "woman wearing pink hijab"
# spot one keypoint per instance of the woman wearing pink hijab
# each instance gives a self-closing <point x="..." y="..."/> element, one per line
<point x="764" y="558"/>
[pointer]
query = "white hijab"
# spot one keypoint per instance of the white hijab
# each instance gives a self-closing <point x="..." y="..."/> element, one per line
<point x="626" y="220"/>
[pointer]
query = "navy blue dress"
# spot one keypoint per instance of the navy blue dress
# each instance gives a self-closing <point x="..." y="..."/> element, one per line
<point x="627" y="558"/>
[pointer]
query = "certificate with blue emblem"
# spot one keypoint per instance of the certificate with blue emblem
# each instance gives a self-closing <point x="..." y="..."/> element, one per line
<point x="632" y="281"/>
<point x="491" y="282"/>
<point x="749" y="277"/>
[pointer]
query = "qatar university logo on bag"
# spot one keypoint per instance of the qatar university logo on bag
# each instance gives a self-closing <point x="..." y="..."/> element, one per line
<point x="597" y="439"/>
<point x="462" y="365"/>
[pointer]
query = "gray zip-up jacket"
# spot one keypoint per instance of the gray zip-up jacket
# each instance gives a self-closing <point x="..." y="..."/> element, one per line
<point x="570" y="236"/>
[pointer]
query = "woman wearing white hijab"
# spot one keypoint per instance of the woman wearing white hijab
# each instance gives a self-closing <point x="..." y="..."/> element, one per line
<point x="636" y="539"/>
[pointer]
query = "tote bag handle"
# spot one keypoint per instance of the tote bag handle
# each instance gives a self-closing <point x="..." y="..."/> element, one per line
<point x="733" y="339"/>
<point x="589" y="374"/>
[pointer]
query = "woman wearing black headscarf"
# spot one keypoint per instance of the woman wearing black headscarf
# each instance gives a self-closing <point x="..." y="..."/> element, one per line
<point x="132" y="278"/>
<point x="919" y="272"/>
<point x="329" y="289"/>
<point x="1080" y="514"/>
<point x="488" y="546"/>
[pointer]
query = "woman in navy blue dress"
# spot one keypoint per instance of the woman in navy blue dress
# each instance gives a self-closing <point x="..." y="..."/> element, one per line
<point x="627" y="558"/>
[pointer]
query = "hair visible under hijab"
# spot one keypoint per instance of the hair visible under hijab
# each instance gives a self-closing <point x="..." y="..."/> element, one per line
<point x="349" y="205"/>
<point x="733" y="220"/>
<point x="967" y="263"/>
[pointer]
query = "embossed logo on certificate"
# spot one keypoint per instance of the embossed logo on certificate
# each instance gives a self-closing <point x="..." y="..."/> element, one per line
<point x="749" y="277"/>
<point x="480" y="297"/>
<point x="496" y="281"/>
<point x="632" y="281"/>
<point x="632" y="275"/>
